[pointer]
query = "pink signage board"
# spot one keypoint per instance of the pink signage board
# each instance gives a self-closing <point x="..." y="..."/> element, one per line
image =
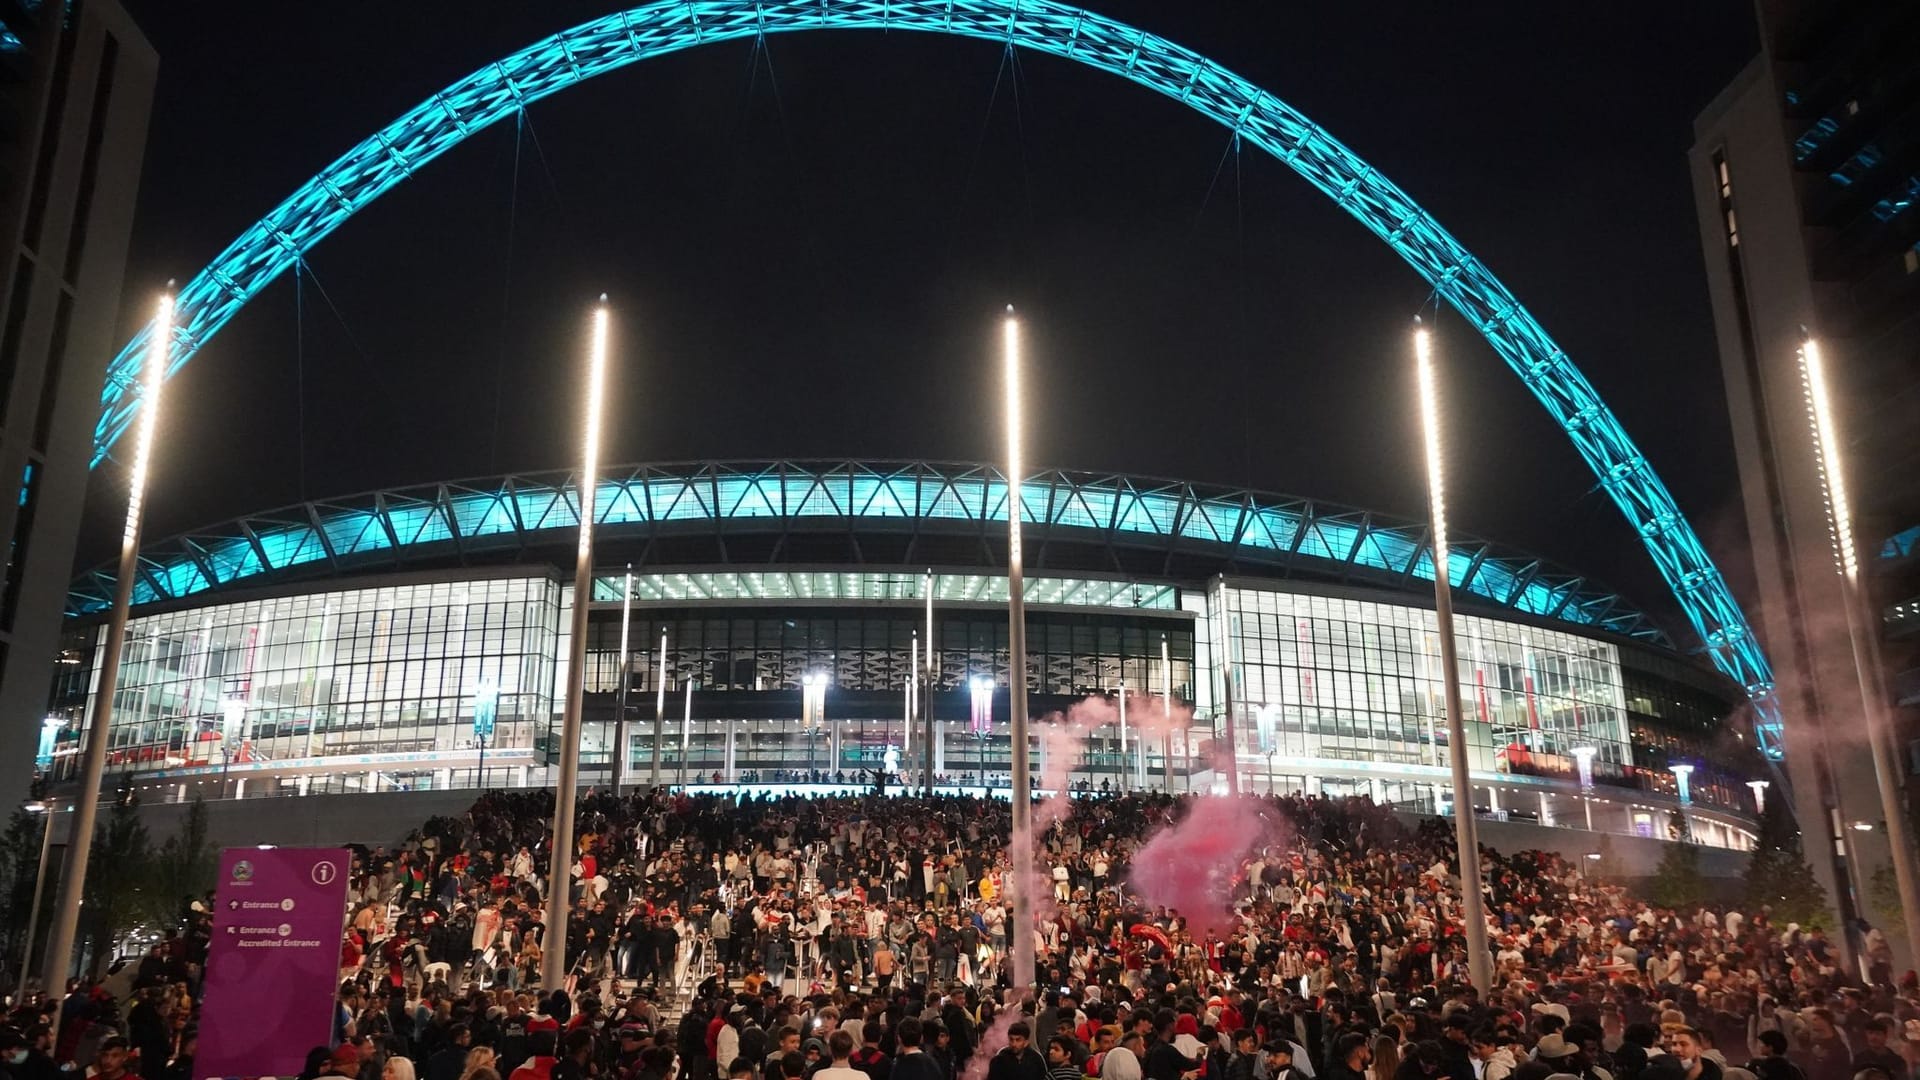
<point x="274" y="966"/>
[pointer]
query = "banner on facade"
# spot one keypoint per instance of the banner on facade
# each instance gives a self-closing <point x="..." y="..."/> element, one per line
<point x="274" y="966"/>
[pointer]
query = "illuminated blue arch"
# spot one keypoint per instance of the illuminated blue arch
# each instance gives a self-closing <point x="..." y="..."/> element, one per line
<point x="499" y="90"/>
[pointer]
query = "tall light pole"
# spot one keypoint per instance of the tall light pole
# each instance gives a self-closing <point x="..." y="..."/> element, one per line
<point x="913" y="700"/>
<point x="620" y="748"/>
<point x="1862" y="626"/>
<point x="926" y="696"/>
<point x="73" y="883"/>
<point x="686" y="735"/>
<point x="813" y="709"/>
<point x="980" y="723"/>
<point x="33" y="911"/>
<point x="659" y="706"/>
<point x="1479" y="959"/>
<point x="233" y="720"/>
<point x="1166" y="750"/>
<point x="1123" y="736"/>
<point x="1233" y="758"/>
<point x="1022" y="847"/>
<point x="553" y="965"/>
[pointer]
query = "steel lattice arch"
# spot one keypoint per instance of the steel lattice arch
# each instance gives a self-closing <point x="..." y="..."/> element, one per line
<point x="1116" y="524"/>
<point x="499" y="90"/>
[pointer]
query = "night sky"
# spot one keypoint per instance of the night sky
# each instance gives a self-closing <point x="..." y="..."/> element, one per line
<point x="807" y="249"/>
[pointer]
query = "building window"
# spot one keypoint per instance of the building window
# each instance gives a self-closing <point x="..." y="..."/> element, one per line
<point x="17" y="549"/>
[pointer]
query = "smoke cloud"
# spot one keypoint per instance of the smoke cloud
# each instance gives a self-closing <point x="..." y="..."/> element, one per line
<point x="1192" y="866"/>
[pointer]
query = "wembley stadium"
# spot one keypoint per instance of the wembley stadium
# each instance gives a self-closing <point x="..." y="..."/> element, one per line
<point x="775" y="616"/>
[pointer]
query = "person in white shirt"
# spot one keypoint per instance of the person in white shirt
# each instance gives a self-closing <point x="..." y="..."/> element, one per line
<point x="840" y="1047"/>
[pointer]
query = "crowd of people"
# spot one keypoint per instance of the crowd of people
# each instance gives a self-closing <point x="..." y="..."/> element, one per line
<point x="782" y="938"/>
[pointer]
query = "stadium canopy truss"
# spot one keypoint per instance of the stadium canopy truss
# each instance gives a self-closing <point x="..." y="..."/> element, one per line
<point x="516" y="515"/>
<point x="499" y="90"/>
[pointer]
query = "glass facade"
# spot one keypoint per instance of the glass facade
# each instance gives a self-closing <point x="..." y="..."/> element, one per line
<point x="1338" y="679"/>
<point x="387" y="670"/>
<point x="872" y="650"/>
<point x="1328" y="676"/>
<point x="1331" y="691"/>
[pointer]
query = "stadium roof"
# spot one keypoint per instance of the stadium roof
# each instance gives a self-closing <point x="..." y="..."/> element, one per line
<point x="505" y="519"/>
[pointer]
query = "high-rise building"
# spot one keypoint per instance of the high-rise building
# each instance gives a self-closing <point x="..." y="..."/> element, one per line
<point x="1806" y="173"/>
<point x="76" y="88"/>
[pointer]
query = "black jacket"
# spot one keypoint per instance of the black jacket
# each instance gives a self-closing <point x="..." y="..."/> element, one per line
<point x="1024" y="1065"/>
<point x="922" y="1066"/>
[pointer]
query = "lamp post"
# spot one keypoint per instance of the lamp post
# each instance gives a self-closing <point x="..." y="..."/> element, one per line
<point x="486" y="705"/>
<point x="1480" y="961"/>
<point x="33" y="911"/>
<point x="980" y="725"/>
<point x="1123" y="736"/>
<point x="1021" y="854"/>
<point x="73" y="885"/>
<point x="813" y="708"/>
<point x="1166" y="737"/>
<point x="1862" y="632"/>
<point x="926" y="695"/>
<point x="620" y="748"/>
<point x="233" y="716"/>
<point x="913" y="703"/>
<point x="1583" y="757"/>
<point x="553" y="965"/>
<point x="686" y="736"/>
<point x="659" y="707"/>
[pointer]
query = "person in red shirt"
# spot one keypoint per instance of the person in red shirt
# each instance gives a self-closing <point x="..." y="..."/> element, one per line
<point x="541" y="1060"/>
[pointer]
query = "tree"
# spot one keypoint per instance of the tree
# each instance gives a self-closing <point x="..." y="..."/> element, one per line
<point x="1677" y="881"/>
<point x="20" y="847"/>
<point x="183" y="868"/>
<point x="117" y="881"/>
<point x="1608" y="864"/>
<point x="1778" y="876"/>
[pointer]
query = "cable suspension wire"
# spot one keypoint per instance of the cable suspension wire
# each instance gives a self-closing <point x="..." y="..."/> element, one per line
<point x="1219" y="167"/>
<point x="300" y="363"/>
<point x="1020" y="134"/>
<point x="506" y="296"/>
<point x="366" y="357"/>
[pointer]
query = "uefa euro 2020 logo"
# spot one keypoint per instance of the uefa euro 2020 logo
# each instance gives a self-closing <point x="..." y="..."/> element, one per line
<point x="243" y="871"/>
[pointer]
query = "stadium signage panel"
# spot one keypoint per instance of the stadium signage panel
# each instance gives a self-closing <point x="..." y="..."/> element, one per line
<point x="271" y="971"/>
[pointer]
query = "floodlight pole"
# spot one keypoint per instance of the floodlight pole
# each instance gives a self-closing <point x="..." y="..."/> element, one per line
<point x="659" y="707"/>
<point x="926" y="697"/>
<point x="686" y="736"/>
<point x="1166" y="751"/>
<point x="1473" y="906"/>
<point x="1862" y="623"/>
<point x="33" y="911"/>
<point x="1022" y="849"/>
<point x="553" y="963"/>
<point x="73" y="879"/>
<point x="620" y="748"/>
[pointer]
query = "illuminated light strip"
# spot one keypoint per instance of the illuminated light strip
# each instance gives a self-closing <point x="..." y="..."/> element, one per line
<point x="1318" y="532"/>
<point x="1430" y="429"/>
<point x="1833" y="483"/>
<point x="590" y="439"/>
<point x="153" y="377"/>
<point x="499" y="90"/>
